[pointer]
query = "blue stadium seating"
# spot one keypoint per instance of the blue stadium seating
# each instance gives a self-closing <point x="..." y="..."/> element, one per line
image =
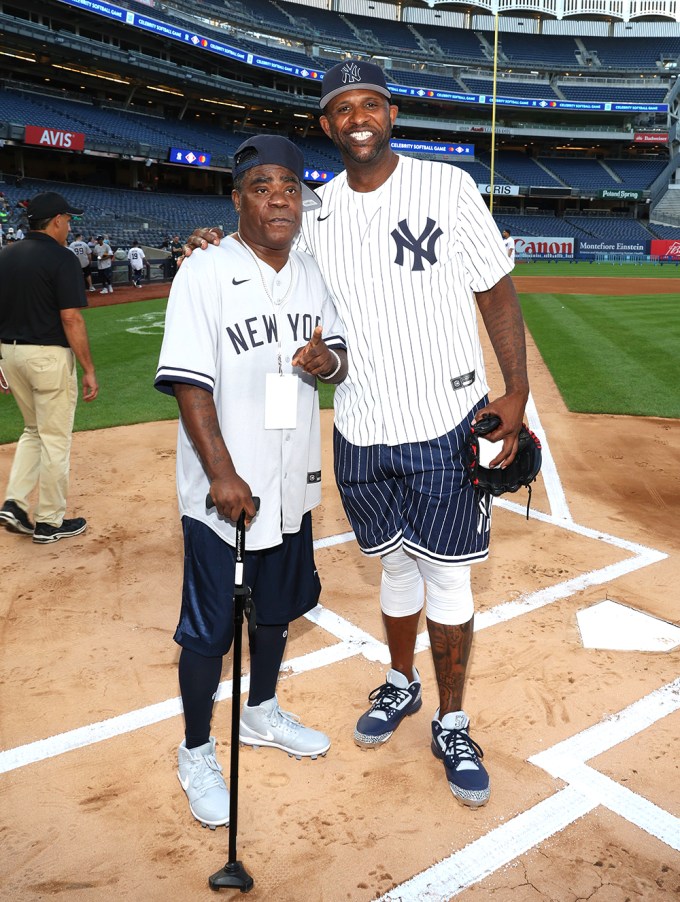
<point x="581" y="173"/>
<point x="611" y="228"/>
<point x="519" y="169"/>
<point x="507" y="88"/>
<point x="549" y="51"/>
<point x="388" y="35"/>
<point x="632" y="54"/>
<point x="637" y="173"/>
<point x="613" y="93"/>
<point x="457" y="44"/>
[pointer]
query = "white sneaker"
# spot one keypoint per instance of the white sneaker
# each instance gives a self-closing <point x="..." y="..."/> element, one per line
<point x="200" y="774"/>
<point x="110" y="289"/>
<point x="92" y="288"/>
<point x="267" y="724"/>
<point x="104" y="291"/>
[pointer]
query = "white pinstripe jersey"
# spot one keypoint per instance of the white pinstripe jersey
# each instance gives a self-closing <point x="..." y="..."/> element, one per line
<point x="403" y="262"/>
<point x="221" y="334"/>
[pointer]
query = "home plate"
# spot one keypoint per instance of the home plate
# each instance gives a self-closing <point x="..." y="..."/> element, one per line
<point x="609" y="624"/>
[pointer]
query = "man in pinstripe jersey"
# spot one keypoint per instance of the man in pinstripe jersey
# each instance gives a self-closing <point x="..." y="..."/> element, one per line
<point x="423" y="248"/>
<point x="407" y="247"/>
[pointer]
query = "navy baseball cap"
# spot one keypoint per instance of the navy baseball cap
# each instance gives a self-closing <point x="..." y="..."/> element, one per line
<point x="351" y="75"/>
<point x="48" y="205"/>
<point x="275" y="150"/>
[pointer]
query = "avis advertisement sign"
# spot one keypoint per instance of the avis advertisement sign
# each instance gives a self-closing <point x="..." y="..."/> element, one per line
<point x="53" y="137"/>
<point x="663" y="248"/>
<point x="541" y="248"/>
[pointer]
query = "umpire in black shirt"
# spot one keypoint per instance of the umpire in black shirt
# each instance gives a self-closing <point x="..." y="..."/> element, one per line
<point x="42" y="333"/>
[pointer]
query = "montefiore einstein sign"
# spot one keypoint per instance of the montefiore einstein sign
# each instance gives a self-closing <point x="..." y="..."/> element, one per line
<point x="541" y="248"/>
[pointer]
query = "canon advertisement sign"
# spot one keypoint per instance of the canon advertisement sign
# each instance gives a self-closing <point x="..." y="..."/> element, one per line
<point x="541" y="248"/>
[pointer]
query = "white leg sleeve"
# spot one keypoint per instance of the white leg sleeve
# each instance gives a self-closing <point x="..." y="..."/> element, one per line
<point x="449" y="594"/>
<point x="402" y="589"/>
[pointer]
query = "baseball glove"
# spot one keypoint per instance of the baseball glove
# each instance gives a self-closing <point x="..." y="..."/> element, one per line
<point x="521" y="472"/>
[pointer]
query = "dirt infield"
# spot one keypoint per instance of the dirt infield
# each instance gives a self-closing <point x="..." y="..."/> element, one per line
<point x="581" y="743"/>
<point x="592" y="285"/>
<point x="533" y="284"/>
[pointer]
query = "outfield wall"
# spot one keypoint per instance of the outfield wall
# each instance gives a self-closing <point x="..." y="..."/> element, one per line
<point x="542" y="247"/>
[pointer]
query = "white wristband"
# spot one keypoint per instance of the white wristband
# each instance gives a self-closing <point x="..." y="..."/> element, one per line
<point x="335" y="371"/>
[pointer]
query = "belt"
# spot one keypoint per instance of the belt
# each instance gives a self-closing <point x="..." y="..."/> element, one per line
<point x="16" y="341"/>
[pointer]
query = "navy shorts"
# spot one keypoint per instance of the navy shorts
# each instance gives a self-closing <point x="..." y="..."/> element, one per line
<point x="417" y="495"/>
<point x="283" y="581"/>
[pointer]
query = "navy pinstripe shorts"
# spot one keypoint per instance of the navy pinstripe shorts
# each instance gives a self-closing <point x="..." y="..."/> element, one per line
<point x="417" y="495"/>
<point x="283" y="580"/>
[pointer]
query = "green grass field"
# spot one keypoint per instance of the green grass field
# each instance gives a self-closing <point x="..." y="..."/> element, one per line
<point x="580" y="269"/>
<point x="607" y="354"/>
<point x="125" y="341"/>
<point x="610" y="354"/>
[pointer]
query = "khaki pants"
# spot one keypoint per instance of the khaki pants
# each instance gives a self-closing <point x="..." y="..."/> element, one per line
<point x="44" y="383"/>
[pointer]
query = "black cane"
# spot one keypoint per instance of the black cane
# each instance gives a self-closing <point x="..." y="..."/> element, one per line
<point x="233" y="874"/>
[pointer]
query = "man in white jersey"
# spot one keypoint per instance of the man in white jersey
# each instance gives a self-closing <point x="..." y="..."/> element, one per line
<point x="241" y="353"/>
<point x="82" y="251"/>
<point x="406" y="247"/>
<point x="424" y="248"/>
<point x="103" y="254"/>
<point x="136" y="258"/>
<point x="509" y="243"/>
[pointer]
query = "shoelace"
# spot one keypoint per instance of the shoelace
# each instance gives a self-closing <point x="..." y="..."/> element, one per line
<point x="285" y="719"/>
<point x="460" y="746"/>
<point x="205" y="777"/>
<point x="387" y="697"/>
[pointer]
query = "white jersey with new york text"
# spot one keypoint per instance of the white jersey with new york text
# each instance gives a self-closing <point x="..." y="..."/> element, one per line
<point x="222" y="334"/>
<point x="403" y="263"/>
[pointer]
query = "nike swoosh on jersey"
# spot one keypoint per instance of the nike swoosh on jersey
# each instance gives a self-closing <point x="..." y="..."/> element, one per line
<point x="322" y="218"/>
<point x="239" y="281"/>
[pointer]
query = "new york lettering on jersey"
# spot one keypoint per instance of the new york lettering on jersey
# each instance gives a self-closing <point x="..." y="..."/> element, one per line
<point x="257" y="331"/>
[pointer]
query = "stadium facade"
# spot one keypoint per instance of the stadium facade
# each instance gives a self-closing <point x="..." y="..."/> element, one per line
<point x="136" y="108"/>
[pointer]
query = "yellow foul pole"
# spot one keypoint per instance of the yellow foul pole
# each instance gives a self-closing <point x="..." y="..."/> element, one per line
<point x="493" y="110"/>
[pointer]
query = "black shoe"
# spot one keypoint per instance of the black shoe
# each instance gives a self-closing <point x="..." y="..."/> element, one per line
<point x="45" y="533"/>
<point x="15" y="519"/>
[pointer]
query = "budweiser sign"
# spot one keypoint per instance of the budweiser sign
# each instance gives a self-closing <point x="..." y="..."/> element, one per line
<point x="53" y="137"/>
<point x="651" y="138"/>
<point x="665" y="248"/>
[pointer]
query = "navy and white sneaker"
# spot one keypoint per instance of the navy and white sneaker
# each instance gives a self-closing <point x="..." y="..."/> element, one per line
<point x="451" y="743"/>
<point x="392" y="702"/>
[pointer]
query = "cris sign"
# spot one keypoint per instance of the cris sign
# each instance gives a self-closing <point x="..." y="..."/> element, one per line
<point x="541" y="248"/>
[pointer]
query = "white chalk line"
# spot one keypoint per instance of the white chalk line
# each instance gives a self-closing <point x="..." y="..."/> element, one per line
<point x="501" y="845"/>
<point x="492" y="851"/>
<point x="553" y="484"/>
<point x="353" y="641"/>
<point x="587" y="789"/>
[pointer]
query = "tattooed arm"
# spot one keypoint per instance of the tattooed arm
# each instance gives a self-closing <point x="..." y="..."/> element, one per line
<point x="502" y="317"/>
<point x="229" y="492"/>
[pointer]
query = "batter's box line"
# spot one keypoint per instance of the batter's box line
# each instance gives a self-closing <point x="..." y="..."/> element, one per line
<point x="353" y="641"/>
<point x="587" y="789"/>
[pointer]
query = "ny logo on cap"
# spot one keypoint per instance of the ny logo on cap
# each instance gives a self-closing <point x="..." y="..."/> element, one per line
<point x="350" y="73"/>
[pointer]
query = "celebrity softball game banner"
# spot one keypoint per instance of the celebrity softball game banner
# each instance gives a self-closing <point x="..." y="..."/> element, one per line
<point x="542" y="248"/>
